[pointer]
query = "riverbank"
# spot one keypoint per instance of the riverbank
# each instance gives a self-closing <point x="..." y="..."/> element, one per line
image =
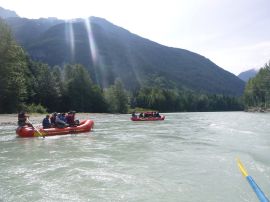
<point x="257" y="109"/>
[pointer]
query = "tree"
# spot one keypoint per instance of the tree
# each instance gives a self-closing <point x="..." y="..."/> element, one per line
<point x="257" y="90"/>
<point x="13" y="68"/>
<point x="80" y="93"/>
<point x="45" y="87"/>
<point x="117" y="98"/>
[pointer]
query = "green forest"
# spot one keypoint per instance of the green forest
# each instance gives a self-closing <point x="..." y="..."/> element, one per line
<point x="257" y="91"/>
<point x="37" y="87"/>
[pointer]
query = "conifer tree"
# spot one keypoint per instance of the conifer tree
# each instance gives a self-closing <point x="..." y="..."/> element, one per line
<point x="13" y="68"/>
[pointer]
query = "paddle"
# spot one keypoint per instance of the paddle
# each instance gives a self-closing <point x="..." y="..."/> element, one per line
<point x="35" y="128"/>
<point x="252" y="183"/>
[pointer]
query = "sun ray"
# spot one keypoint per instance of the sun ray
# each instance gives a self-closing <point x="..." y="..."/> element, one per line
<point x="92" y="48"/>
<point x="70" y="39"/>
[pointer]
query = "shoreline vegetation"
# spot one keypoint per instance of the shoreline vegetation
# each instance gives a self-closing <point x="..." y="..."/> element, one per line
<point x="257" y="109"/>
<point x="257" y="91"/>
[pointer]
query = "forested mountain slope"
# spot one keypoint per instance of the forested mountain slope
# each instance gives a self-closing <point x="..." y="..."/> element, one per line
<point x="110" y="52"/>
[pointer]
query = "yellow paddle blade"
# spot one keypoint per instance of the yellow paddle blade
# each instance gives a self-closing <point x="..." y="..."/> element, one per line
<point x="242" y="168"/>
<point x="38" y="134"/>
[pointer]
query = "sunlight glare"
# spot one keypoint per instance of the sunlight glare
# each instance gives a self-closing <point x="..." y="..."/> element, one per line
<point x="92" y="47"/>
<point x="70" y="38"/>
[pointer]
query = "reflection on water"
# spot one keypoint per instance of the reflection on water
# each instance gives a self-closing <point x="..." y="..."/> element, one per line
<point x="187" y="157"/>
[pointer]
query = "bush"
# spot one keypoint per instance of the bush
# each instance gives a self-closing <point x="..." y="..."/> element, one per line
<point x="33" y="108"/>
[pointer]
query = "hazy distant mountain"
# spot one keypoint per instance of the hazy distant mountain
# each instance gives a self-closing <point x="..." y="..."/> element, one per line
<point x="27" y="31"/>
<point x="111" y="52"/>
<point x="246" y="75"/>
<point x="5" y="13"/>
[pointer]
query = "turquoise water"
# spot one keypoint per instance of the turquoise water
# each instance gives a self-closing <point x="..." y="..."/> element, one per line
<point x="187" y="157"/>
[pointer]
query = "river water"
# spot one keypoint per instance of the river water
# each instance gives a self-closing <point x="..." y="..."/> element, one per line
<point x="187" y="157"/>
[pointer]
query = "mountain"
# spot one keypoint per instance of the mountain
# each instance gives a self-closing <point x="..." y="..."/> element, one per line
<point x="246" y="75"/>
<point x="26" y="31"/>
<point x="5" y="13"/>
<point x="110" y="52"/>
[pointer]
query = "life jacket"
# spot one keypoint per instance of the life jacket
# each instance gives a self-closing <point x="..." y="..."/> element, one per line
<point x="70" y="119"/>
<point x="22" y="119"/>
<point x="53" y="119"/>
<point x="46" y="123"/>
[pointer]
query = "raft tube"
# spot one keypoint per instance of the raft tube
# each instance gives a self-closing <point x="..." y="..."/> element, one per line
<point x="26" y="131"/>
<point x="137" y="118"/>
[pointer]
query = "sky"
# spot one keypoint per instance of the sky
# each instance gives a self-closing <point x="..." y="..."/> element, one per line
<point x="234" y="34"/>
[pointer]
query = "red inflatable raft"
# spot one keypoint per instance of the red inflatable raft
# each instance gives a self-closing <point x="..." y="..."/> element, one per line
<point x="26" y="131"/>
<point x="137" y="118"/>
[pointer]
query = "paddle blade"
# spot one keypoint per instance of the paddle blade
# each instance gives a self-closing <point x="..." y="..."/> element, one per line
<point x="242" y="168"/>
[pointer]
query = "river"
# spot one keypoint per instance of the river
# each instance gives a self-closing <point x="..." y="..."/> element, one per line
<point x="189" y="157"/>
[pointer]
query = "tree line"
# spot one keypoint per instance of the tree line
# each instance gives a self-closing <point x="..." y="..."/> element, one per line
<point x="36" y="87"/>
<point x="257" y="91"/>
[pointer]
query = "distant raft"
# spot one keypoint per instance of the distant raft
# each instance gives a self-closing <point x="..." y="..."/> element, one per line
<point x="137" y="118"/>
<point x="27" y="131"/>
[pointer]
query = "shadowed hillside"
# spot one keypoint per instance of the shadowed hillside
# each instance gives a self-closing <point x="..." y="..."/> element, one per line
<point x="110" y="52"/>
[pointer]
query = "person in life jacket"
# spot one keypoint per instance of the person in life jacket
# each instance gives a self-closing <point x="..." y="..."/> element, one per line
<point x="46" y="122"/>
<point x="59" y="121"/>
<point x="52" y="119"/>
<point x="23" y="119"/>
<point x="71" y="119"/>
<point x="134" y="114"/>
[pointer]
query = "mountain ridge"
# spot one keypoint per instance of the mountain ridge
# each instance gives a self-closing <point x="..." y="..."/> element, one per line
<point x="6" y="13"/>
<point x="115" y="53"/>
<point x="248" y="74"/>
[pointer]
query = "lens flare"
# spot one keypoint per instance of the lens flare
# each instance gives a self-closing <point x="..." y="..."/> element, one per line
<point x="91" y="41"/>
<point x="70" y="39"/>
<point x="93" y="49"/>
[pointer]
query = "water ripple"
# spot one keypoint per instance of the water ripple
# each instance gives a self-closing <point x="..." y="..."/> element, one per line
<point x="187" y="157"/>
